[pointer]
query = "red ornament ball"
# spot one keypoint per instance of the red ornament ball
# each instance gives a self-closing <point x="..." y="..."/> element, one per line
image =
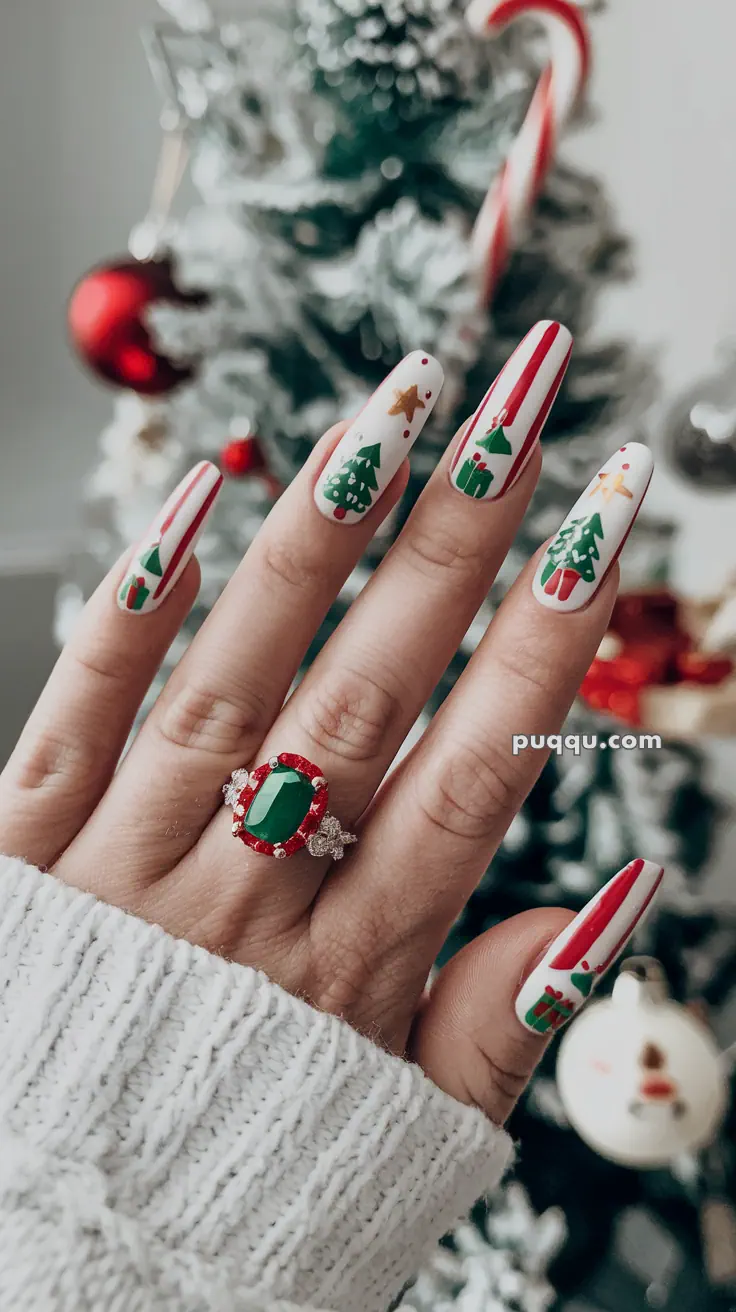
<point x="241" y="457"/>
<point x="107" y="324"/>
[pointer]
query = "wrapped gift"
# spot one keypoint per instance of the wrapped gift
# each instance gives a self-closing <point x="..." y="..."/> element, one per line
<point x="651" y="670"/>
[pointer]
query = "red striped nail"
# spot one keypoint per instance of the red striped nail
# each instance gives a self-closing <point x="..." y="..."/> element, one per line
<point x="501" y="436"/>
<point x="159" y="561"/>
<point x="583" y="952"/>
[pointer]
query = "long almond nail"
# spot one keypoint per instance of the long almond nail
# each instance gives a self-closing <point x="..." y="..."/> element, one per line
<point x="374" y="447"/>
<point x="577" y="561"/>
<point x="501" y="436"/>
<point x="158" y="562"/>
<point x="583" y="952"/>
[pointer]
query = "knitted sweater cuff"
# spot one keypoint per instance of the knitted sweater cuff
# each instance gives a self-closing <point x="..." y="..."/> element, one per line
<point x="227" y="1140"/>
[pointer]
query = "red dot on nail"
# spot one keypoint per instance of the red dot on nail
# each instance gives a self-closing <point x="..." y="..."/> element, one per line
<point x="425" y="360"/>
<point x="339" y="512"/>
<point x="585" y="965"/>
<point x="626" y="466"/>
<point x="407" y="432"/>
<point x="476" y="455"/>
<point x="427" y="394"/>
<point x="482" y="464"/>
<point x="622" y="448"/>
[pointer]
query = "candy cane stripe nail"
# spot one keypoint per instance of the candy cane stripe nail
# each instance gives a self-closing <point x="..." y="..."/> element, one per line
<point x="581" y="955"/>
<point x="159" y="561"/>
<point x="501" y="436"/>
<point x="376" y="444"/>
<point x="592" y="537"/>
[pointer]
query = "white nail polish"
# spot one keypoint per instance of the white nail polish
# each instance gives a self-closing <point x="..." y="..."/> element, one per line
<point x="580" y="956"/>
<point x="501" y="436"/>
<point x="158" y="562"/>
<point x="372" y="450"/>
<point x="590" y="540"/>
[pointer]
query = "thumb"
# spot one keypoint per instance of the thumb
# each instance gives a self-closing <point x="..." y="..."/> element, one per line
<point x="485" y="1024"/>
<point x="466" y="1036"/>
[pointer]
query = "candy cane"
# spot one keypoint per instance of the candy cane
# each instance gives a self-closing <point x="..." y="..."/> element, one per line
<point x="508" y="203"/>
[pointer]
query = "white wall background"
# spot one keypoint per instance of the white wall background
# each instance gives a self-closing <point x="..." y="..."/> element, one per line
<point x="78" y="142"/>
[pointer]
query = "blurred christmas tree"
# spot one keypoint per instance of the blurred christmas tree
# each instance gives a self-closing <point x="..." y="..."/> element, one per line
<point x="342" y="149"/>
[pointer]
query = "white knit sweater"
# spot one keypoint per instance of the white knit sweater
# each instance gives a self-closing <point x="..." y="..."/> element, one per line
<point x="177" y="1133"/>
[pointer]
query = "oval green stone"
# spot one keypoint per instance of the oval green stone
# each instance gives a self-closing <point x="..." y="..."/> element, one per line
<point x="280" y="805"/>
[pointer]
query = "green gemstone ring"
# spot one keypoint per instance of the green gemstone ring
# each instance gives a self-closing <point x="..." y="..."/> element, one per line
<point x="281" y="807"/>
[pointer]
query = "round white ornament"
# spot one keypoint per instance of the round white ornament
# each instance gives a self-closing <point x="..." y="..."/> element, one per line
<point x="640" y="1078"/>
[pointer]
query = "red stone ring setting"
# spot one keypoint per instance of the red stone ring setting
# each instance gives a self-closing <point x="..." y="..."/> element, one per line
<point x="281" y="807"/>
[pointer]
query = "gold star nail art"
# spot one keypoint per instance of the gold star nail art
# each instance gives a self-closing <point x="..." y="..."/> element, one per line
<point x="407" y="403"/>
<point x="608" y="489"/>
<point x="373" y="449"/>
<point x="577" y="560"/>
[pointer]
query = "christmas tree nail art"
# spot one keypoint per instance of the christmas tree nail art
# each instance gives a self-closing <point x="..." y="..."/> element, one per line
<point x="582" y="954"/>
<point x="371" y="452"/>
<point x="505" y="428"/>
<point x="591" y="538"/>
<point x="351" y="487"/>
<point x="157" y="565"/>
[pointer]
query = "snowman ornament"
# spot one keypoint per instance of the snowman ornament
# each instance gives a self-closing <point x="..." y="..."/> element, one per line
<point x="641" y="1079"/>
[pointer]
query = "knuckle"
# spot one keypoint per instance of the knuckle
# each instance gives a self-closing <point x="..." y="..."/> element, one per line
<point x="433" y="546"/>
<point x="350" y="715"/>
<point x="289" y="563"/>
<point x="106" y="666"/>
<point x="47" y="763"/>
<point x="204" y="719"/>
<point x="348" y="967"/>
<point x="529" y="666"/>
<point x="471" y="794"/>
<point x="504" y="1080"/>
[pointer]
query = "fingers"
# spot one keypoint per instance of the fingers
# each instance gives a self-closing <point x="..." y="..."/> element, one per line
<point x="223" y="696"/>
<point x="451" y="803"/>
<point x="364" y="692"/>
<point x="357" y="702"/>
<point x="73" y="740"/>
<point x="443" y="814"/>
<point x="482" y="1030"/>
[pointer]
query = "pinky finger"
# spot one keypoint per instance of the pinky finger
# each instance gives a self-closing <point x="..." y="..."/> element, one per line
<point x="73" y="740"/>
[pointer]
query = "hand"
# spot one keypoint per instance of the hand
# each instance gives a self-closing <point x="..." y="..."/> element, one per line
<point x="356" y="937"/>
